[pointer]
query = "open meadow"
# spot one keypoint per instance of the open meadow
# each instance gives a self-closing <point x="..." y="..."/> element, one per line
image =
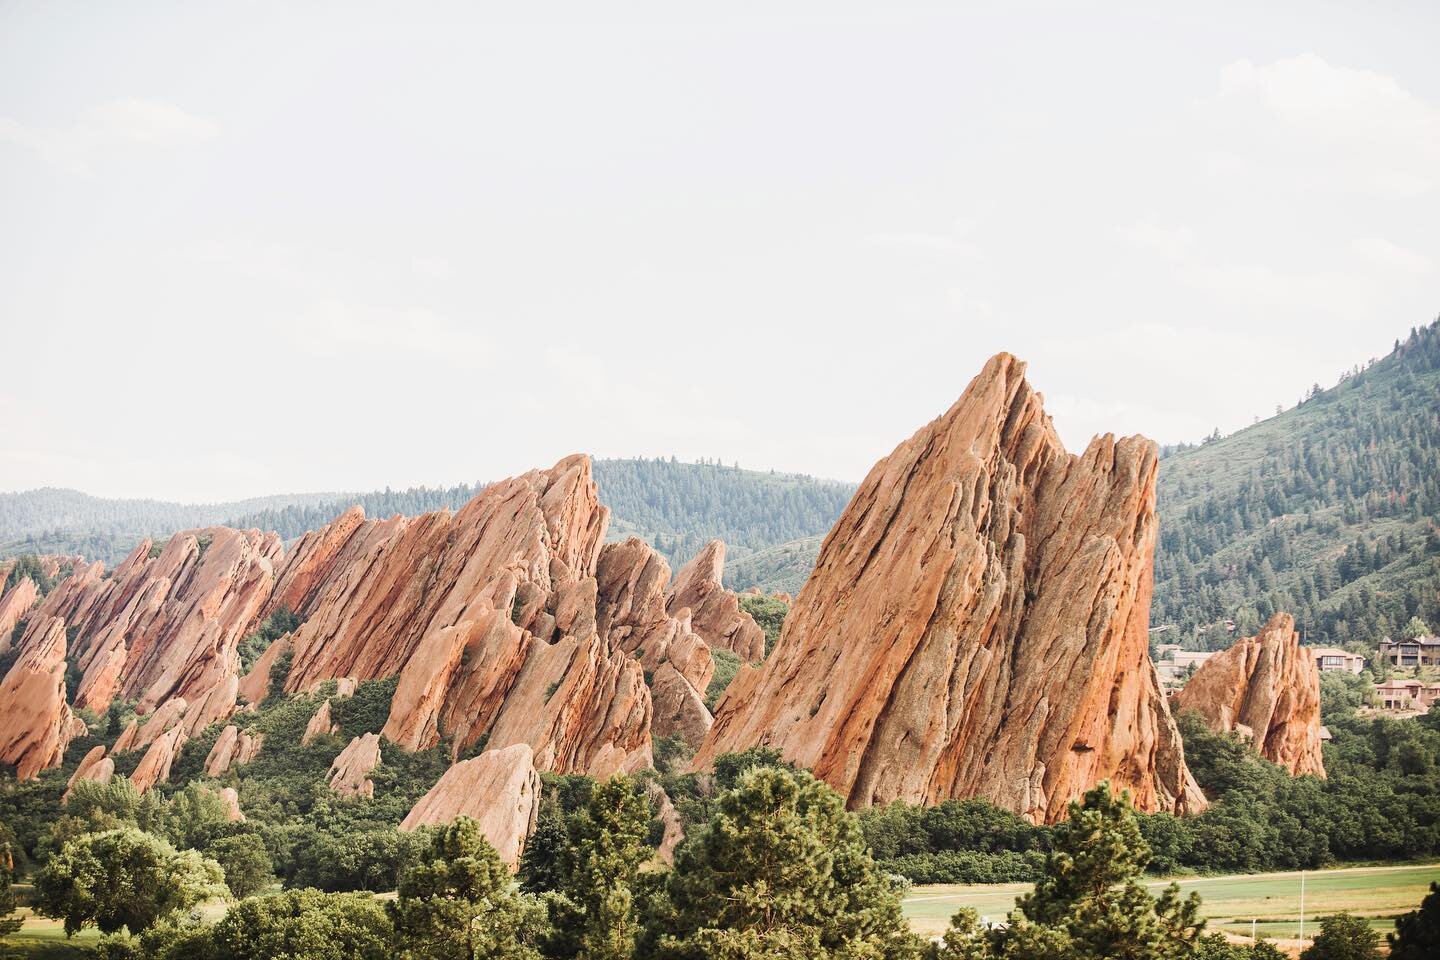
<point x="1230" y="903"/>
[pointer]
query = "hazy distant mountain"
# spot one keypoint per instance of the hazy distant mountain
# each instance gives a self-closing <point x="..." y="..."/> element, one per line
<point x="675" y="506"/>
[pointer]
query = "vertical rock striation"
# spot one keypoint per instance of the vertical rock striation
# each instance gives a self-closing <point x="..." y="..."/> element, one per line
<point x="976" y="624"/>
<point x="1266" y="688"/>
<point x="168" y="625"/>
<point x="36" y="725"/>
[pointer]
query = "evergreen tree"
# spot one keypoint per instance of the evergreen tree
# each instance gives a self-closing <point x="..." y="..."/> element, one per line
<point x="1089" y="903"/>
<point x="598" y="917"/>
<point x="781" y="871"/>
<point x="460" y="903"/>
<point x="1417" y="933"/>
<point x="1343" y="937"/>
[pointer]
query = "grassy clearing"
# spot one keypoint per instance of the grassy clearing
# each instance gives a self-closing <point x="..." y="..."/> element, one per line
<point x="1273" y="899"/>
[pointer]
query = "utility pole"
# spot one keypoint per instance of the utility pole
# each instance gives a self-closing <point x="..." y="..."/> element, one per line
<point x="1302" y="905"/>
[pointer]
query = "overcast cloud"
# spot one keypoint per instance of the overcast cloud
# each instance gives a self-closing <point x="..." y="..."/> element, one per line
<point x="260" y="247"/>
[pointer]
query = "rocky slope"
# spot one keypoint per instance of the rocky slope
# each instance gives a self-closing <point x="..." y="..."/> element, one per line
<point x="510" y="619"/>
<point x="976" y="624"/>
<point x="1267" y="689"/>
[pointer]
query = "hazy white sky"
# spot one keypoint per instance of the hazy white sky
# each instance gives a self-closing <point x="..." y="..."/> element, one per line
<point x="259" y="247"/>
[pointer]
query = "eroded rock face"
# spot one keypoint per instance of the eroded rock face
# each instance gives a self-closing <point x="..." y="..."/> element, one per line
<point x="500" y="789"/>
<point x="976" y="624"/>
<point x="155" y="765"/>
<point x="36" y="725"/>
<point x="350" y="773"/>
<point x="631" y="581"/>
<point x="234" y="747"/>
<point x="678" y="707"/>
<point x="167" y="626"/>
<point x="714" y="611"/>
<point x="144" y="731"/>
<point x="1270" y="686"/>
<point x="14" y="605"/>
<point x="488" y="616"/>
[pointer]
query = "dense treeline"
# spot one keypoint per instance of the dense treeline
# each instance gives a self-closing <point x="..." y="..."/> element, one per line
<point x="1328" y="511"/>
<point x="51" y="520"/>
<point x="678" y="507"/>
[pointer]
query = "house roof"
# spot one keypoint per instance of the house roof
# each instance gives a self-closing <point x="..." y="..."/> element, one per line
<point x="1333" y="652"/>
<point x="1419" y="641"/>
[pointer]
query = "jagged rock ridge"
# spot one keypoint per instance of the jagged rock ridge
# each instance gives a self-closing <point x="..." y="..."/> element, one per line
<point x="976" y="624"/>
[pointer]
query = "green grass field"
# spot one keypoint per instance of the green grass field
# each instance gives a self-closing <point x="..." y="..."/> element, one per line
<point x="1273" y="899"/>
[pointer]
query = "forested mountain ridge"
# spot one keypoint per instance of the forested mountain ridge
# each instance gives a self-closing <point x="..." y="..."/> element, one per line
<point x="675" y="506"/>
<point x="1327" y="510"/>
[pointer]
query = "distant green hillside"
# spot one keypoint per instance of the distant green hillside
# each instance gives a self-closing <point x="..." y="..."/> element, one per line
<point x="1327" y="511"/>
<point x="781" y="568"/>
<point x="675" y="506"/>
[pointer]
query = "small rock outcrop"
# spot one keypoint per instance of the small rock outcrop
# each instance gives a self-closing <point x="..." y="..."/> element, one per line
<point x="976" y="624"/>
<point x="678" y="707"/>
<point x="94" y="766"/>
<point x="234" y="747"/>
<point x="320" y="725"/>
<point x="230" y="797"/>
<point x="155" y="765"/>
<point x="350" y="773"/>
<point x="144" y="731"/>
<point x="500" y="789"/>
<point x="714" y="611"/>
<point x="36" y="725"/>
<point x="669" y="817"/>
<point x="1267" y="688"/>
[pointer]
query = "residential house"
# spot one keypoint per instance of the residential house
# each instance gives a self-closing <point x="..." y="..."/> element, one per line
<point x="1407" y="696"/>
<point x="1419" y="652"/>
<point x="1335" y="660"/>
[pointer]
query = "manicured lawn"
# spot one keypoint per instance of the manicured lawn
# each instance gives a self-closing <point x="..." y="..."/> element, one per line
<point x="1273" y="899"/>
<point x="43" y="939"/>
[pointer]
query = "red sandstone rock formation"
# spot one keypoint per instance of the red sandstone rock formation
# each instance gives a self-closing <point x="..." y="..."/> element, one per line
<point x="714" y="611"/>
<point x="320" y="725"/>
<point x="14" y="605"/>
<point x="255" y="685"/>
<point x="678" y="707"/>
<point x="350" y="773"/>
<point x="230" y="797"/>
<point x="155" y="765"/>
<point x="500" y="789"/>
<point x="36" y="725"/>
<point x="95" y="766"/>
<point x="487" y="615"/>
<point x="167" y="626"/>
<point x="1267" y="688"/>
<point x="976" y="624"/>
<point x="234" y="747"/>
<point x="631" y="580"/>
<point x="669" y="818"/>
<point x="144" y="731"/>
